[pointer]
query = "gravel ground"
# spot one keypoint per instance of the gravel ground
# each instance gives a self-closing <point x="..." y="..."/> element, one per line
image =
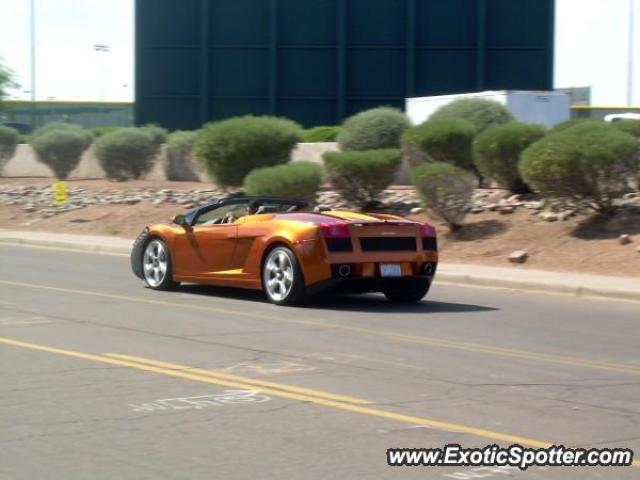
<point x="555" y="238"/>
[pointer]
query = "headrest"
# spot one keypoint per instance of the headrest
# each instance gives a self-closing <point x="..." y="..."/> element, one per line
<point x="267" y="209"/>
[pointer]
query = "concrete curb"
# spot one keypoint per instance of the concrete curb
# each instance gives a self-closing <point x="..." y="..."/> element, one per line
<point x="78" y="246"/>
<point x="576" y="290"/>
<point x="461" y="275"/>
<point x="81" y="247"/>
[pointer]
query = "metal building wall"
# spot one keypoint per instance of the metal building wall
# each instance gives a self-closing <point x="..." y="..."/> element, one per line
<point x="87" y="114"/>
<point x="317" y="61"/>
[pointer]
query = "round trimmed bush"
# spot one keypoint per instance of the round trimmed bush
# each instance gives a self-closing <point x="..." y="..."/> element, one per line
<point x="446" y="141"/>
<point x="230" y="149"/>
<point x="321" y="134"/>
<point x="592" y="163"/>
<point x="60" y="147"/>
<point x="361" y="176"/>
<point x="480" y="112"/>
<point x="378" y="128"/>
<point x="126" y="153"/>
<point x="57" y="126"/>
<point x="8" y="141"/>
<point x="562" y="126"/>
<point x="300" y="180"/>
<point x="178" y="162"/>
<point x="97" y="132"/>
<point x="158" y="133"/>
<point x="446" y="190"/>
<point x="497" y="152"/>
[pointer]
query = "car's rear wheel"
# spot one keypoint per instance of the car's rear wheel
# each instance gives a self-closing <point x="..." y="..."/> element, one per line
<point x="156" y="266"/>
<point x="282" y="278"/>
<point x="408" y="293"/>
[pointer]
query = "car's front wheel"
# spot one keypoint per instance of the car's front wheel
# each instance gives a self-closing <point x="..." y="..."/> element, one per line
<point x="156" y="266"/>
<point x="408" y="293"/>
<point x="282" y="278"/>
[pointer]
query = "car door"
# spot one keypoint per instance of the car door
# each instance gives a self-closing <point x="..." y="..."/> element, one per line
<point x="202" y="250"/>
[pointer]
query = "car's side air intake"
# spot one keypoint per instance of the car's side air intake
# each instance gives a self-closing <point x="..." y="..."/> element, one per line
<point x="429" y="243"/>
<point x="339" y="244"/>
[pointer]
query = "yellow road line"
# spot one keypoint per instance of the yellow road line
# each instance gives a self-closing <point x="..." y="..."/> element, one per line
<point x="280" y="393"/>
<point x="166" y="371"/>
<point x="150" y="366"/>
<point x="417" y="339"/>
<point x="238" y="378"/>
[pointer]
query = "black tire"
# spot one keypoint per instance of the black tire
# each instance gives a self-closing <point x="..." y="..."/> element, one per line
<point x="293" y="295"/>
<point x="158" y="281"/>
<point x="408" y="293"/>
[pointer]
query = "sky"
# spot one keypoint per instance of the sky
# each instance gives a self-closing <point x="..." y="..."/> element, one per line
<point x="591" y="48"/>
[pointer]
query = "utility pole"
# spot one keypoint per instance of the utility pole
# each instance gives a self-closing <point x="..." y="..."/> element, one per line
<point x="102" y="50"/>
<point x="630" y="53"/>
<point x="33" y="62"/>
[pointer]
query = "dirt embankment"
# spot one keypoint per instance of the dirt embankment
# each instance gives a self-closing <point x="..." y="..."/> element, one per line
<point x="579" y="244"/>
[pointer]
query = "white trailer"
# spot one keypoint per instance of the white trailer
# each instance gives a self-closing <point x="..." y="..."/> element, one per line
<point x="544" y="108"/>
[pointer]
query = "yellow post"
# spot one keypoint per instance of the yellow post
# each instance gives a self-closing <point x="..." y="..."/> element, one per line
<point x="60" y="194"/>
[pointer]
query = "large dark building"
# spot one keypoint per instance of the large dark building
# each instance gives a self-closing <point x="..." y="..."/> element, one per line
<point x="317" y="61"/>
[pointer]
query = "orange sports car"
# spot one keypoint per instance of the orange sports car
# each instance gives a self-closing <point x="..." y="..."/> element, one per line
<point x="279" y="246"/>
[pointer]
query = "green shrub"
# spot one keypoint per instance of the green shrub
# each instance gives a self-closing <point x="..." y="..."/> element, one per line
<point x="446" y="141"/>
<point x="446" y="190"/>
<point x="294" y="180"/>
<point x="321" y="134"/>
<point x="632" y="127"/>
<point x="99" y="131"/>
<point x="158" y="133"/>
<point x="378" y="128"/>
<point x="361" y="176"/>
<point x="178" y="161"/>
<point x="8" y="142"/>
<point x="562" y="126"/>
<point x="480" y="112"/>
<point x="60" y="146"/>
<point x="230" y="149"/>
<point x="23" y="138"/>
<point x="56" y="126"/>
<point x="587" y="163"/>
<point x="497" y="152"/>
<point x="126" y="153"/>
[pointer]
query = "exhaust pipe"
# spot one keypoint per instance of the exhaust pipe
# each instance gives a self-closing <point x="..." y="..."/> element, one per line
<point x="344" y="270"/>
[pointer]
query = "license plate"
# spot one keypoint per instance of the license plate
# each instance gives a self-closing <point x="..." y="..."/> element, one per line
<point x="390" y="270"/>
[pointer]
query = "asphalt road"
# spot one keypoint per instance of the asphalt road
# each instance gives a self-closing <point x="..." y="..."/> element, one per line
<point x="102" y="378"/>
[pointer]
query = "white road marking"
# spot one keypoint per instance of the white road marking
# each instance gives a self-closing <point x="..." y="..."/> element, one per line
<point x="226" y="397"/>
<point x="271" y="368"/>
<point x="34" y="320"/>
<point x="482" y="472"/>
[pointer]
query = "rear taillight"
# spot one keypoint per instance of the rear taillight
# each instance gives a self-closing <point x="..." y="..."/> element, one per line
<point x="427" y="230"/>
<point x="428" y="234"/>
<point x="335" y="230"/>
<point x="336" y="236"/>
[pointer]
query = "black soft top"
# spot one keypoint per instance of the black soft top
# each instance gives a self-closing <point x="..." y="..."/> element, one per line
<point x="253" y="200"/>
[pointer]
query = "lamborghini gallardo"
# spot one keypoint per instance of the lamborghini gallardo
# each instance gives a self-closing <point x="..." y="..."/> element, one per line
<point x="289" y="251"/>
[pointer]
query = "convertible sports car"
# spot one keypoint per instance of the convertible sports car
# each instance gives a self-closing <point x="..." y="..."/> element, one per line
<point x="279" y="246"/>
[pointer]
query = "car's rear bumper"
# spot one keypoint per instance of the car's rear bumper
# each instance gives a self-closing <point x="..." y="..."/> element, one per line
<point x="368" y="284"/>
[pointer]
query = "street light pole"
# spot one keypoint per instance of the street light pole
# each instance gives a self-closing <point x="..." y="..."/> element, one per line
<point x="101" y="48"/>
<point x="33" y="62"/>
<point x="630" y="53"/>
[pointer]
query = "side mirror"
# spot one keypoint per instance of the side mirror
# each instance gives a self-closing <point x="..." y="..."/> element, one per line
<point x="181" y="220"/>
